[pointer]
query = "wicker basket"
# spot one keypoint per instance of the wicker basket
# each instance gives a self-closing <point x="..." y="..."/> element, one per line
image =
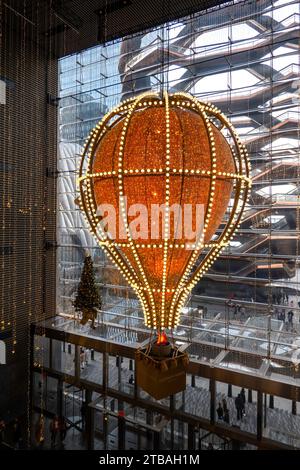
<point x="161" y="376"/>
<point x="159" y="350"/>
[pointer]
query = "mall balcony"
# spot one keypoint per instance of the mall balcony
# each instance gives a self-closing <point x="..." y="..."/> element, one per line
<point x="89" y="376"/>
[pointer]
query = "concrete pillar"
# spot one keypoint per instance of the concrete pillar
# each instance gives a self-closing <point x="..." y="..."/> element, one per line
<point x="149" y="417"/>
<point x="191" y="437"/>
<point x="105" y="430"/>
<point x="51" y="353"/>
<point x="259" y="417"/>
<point x="59" y="409"/>
<point x="172" y="407"/>
<point x="121" y="432"/>
<point x="172" y="433"/>
<point x="77" y="362"/>
<point x="89" y="420"/>
<point x="105" y="372"/>
<point x="149" y="420"/>
<point x="156" y="443"/>
<point x="212" y="389"/>
<point x="119" y="374"/>
<point x="265" y="410"/>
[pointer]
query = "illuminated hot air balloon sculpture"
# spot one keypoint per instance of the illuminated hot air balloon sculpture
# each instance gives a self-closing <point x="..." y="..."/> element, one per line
<point x="175" y="151"/>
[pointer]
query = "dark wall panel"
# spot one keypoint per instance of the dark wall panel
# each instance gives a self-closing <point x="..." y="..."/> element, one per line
<point x="28" y="195"/>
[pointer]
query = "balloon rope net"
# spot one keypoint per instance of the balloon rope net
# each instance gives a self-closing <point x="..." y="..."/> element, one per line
<point x="131" y="266"/>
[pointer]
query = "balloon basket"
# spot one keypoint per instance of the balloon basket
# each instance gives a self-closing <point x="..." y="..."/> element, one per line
<point x="159" y="375"/>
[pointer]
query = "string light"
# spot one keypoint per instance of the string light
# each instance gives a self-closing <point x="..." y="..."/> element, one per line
<point x="125" y="254"/>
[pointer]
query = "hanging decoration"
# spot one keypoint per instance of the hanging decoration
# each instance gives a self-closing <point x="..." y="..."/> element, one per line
<point x="169" y="150"/>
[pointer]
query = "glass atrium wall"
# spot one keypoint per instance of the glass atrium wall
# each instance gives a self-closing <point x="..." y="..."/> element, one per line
<point x="105" y="374"/>
<point x="245" y="59"/>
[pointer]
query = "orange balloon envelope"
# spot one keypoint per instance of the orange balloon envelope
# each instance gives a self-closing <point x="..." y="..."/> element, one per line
<point x="163" y="181"/>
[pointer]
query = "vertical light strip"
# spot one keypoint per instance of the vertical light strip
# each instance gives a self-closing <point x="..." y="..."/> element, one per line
<point x="243" y="186"/>
<point x="88" y="206"/>
<point x="185" y="285"/>
<point x="150" y="314"/>
<point x="213" y="175"/>
<point x="167" y="214"/>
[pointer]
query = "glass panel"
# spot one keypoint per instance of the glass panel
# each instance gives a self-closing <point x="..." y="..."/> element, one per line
<point x="73" y="406"/>
<point x="98" y="430"/>
<point x="144" y="427"/>
<point x="63" y="357"/>
<point x="249" y="83"/>
<point x="91" y="365"/>
<point x="41" y="350"/>
<point x="237" y="407"/>
<point x="196" y="398"/>
<point x="39" y="390"/>
<point x="279" y="422"/>
<point x="52" y="388"/>
<point x="45" y="392"/>
<point x="180" y="435"/>
<point x="112" y="431"/>
<point x="244" y="61"/>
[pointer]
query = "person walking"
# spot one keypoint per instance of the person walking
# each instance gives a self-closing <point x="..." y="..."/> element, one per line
<point x="239" y="407"/>
<point x="82" y="358"/>
<point x="220" y="411"/>
<point x="83" y="411"/>
<point x="226" y="416"/>
<point x="243" y="397"/>
<point x="279" y="296"/>
<point x="54" y="428"/>
<point x="62" y="428"/>
<point x="235" y="310"/>
<point x="131" y="380"/>
<point x="242" y="313"/>
<point x="290" y="318"/>
<point x="87" y="357"/>
<point x="224" y="404"/>
<point x="200" y="312"/>
<point x="278" y="314"/>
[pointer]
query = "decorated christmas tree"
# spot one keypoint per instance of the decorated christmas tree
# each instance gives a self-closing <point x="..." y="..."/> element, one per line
<point x="88" y="298"/>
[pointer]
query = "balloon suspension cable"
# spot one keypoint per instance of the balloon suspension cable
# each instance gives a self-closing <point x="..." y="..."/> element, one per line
<point x="148" y="349"/>
<point x="174" y="348"/>
<point x="172" y="337"/>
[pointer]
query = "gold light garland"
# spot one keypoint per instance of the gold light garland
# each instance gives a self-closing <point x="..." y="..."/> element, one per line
<point x="135" y="274"/>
